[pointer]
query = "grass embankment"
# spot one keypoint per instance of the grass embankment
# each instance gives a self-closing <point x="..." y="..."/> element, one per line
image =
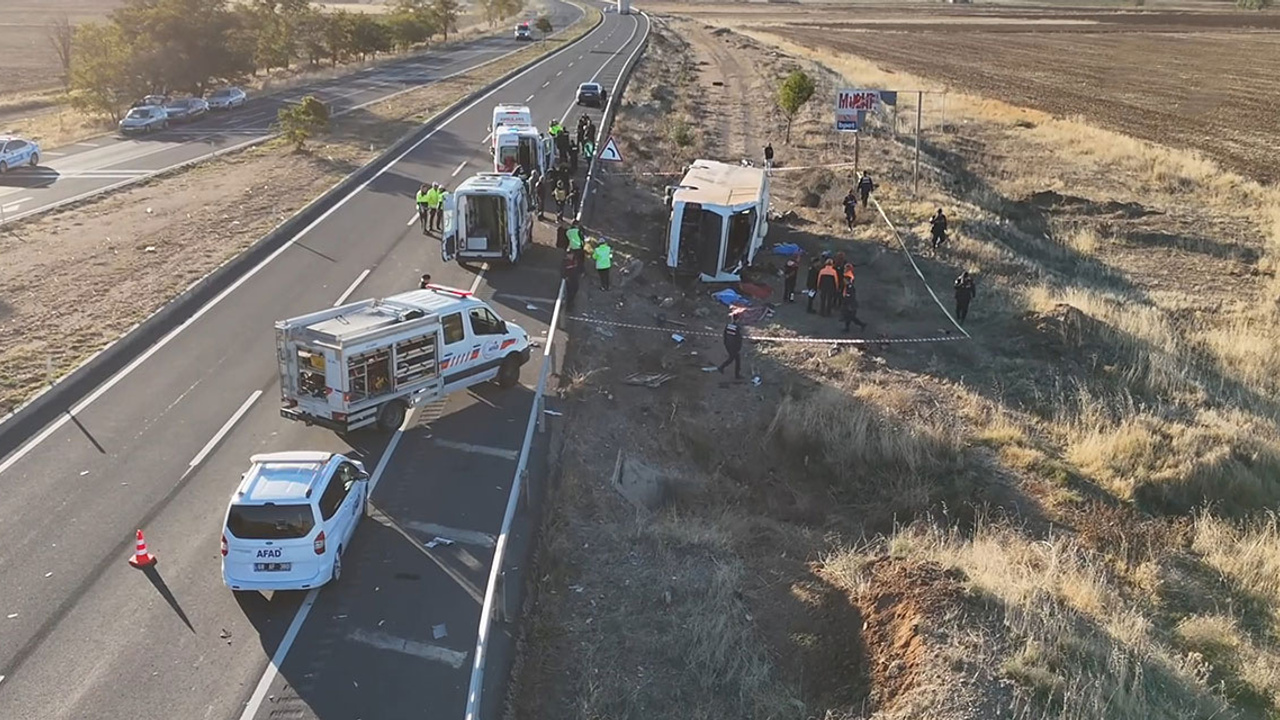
<point x="1067" y="517"/>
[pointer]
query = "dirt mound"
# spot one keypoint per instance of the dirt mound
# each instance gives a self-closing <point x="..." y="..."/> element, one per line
<point x="1052" y="200"/>
<point x="905" y="601"/>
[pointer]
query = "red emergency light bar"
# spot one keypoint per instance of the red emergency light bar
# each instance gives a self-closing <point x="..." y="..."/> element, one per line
<point x="450" y="290"/>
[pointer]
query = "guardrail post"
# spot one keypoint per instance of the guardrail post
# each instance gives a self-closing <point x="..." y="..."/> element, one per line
<point x="524" y="487"/>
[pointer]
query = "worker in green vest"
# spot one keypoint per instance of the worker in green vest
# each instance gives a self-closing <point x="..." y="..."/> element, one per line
<point x="435" y="207"/>
<point x="574" y="234"/>
<point x="424" y="201"/>
<point x="603" y="256"/>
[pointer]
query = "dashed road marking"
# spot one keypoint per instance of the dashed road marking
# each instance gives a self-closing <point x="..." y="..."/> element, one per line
<point x="461" y="165"/>
<point x="352" y="288"/>
<point x="226" y="428"/>
<point x="528" y="98"/>
<point x="503" y="453"/>
<point x="466" y="537"/>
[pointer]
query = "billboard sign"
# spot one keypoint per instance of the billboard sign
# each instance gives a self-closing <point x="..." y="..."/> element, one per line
<point x="852" y="107"/>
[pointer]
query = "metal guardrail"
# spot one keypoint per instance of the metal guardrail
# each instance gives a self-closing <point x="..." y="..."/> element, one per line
<point x="537" y="415"/>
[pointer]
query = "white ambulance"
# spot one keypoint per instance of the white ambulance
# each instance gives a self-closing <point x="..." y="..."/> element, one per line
<point x="511" y="116"/>
<point x="516" y="145"/>
<point x="488" y="217"/>
<point x="371" y="361"/>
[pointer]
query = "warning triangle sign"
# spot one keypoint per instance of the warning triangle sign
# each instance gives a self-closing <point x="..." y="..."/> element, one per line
<point x="610" y="152"/>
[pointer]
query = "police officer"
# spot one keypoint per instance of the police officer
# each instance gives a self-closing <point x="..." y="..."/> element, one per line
<point x="850" y="209"/>
<point x="789" y="274"/>
<point x="435" y="207"/>
<point x="574" y="241"/>
<point x="575" y="196"/>
<point x="938" y="227"/>
<point x="733" y="346"/>
<point x="571" y="272"/>
<point x="603" y="255"/>
<point x="540" y="195"/>
<point x="965" y="292"/>
<point x="849" y="307"/>
<point x="423" y="199"/>
<point x="561" y="196"/>
<point x="865" y="186"/>
<point x="425" y="282"/>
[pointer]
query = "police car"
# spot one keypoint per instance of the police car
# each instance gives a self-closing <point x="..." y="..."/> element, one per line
<point x="291" y="519"/>
<point x="17" y="152"/>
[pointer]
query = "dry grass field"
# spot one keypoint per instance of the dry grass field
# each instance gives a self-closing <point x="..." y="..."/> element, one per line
<point x="1207" y="80"/>
<point x="29" y="61"/>
<point x="1069" y="516"/>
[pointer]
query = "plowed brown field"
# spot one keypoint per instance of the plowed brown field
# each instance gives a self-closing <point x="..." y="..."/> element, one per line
<point x="1207" y="81"/>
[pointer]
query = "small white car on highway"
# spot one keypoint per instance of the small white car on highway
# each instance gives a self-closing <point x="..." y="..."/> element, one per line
<point x="144" y="119"/>
<point x="226" y="98"/>
<point x="17" y="152"/>
<point x="291" y="519"/>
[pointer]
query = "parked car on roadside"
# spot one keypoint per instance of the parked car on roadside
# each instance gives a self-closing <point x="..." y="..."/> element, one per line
<point x="145" y="119"/>
<point x="150" y="100"/>
<point x="226" y="98"/>
<point x="18" y="152"/>
<point x="184" y="110"/>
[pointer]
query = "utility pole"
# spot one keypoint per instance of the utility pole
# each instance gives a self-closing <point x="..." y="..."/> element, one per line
<point x="857" y="150"/>
<point x="919" y="114"/>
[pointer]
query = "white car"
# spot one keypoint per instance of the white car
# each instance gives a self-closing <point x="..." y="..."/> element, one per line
<point x="226" y="98"/>
<point x="17" y="152"/>
<point x="145" y="119"/>
<point x="291" y="519"/>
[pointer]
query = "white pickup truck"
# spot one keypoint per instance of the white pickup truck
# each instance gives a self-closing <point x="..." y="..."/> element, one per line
<point x="371" y="361"/>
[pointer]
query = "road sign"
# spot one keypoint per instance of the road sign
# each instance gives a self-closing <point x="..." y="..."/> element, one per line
<point x="852" y="107"/>
<point x="609" y="153"/>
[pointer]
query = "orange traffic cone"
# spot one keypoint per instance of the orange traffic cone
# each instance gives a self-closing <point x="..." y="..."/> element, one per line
<point x="142" y="558"/>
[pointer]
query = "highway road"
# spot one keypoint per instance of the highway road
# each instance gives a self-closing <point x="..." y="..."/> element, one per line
<point x="162" y="445"/>
<point x="86" y="168"/>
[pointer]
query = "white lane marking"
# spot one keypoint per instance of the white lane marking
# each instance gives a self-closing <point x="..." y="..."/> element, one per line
<point x="569" y="65"/>
<point x="579" y="57"/>
<point x="412" y="220"/>
<point x="479" y="276"/>
<point x="273" y="668"/>
<point x="526" y="298"/>
<point x="85" y="144"/>
<point x="128" y="369"/>
<point x="13" y="204"/>
<point x="528" y="98"/>
<point x="50" y="153"/>
<point x="559" y="73"/>
<point x="426" y="651"/>
<point x="352" y="288"/>
<point x="503" y="453"/>
<point x="546" y="83"/>
<point x="226" y="428"/>
<point x="466" y="537"/>
<point x="461" y="165"/>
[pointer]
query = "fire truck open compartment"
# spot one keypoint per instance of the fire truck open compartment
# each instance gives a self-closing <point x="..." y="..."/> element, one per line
<point x="485" y="222"/>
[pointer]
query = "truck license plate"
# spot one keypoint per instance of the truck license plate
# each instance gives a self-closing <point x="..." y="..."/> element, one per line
<point x="272" y="567"/>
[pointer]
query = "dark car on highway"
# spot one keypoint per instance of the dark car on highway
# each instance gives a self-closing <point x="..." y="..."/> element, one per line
<point x="592" y="95"/>
<point x="186" y="109"/>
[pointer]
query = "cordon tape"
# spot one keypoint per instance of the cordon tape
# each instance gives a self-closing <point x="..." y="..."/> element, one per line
<point x="771" y="338"/>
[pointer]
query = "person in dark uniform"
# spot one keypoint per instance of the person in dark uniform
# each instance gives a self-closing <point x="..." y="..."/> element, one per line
<point x="850" y="209"/>
<point x="575" y="197"/>
<point x="789" y="274"/>
<point x="965" y="291"/>
<point x="571" y="273"/>
<point x="849" y="307"/>
<point x="811" y="282"/>
<point x="828" y="282"/>
<point x="424" y="282"/>
<point x="540" y="196"/>
<point x="938" y="228"/>
<point x="768" y="156"/>
<point x="865" y="186"/>
<point x="733" y="346"/>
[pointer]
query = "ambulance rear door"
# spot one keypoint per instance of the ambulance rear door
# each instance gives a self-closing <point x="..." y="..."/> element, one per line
<point x="449" y="235"/>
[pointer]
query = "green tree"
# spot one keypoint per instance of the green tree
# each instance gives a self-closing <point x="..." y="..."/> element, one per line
<point x="182" y="44"/>
<point x="495" y="10"/>
<point x="543" y="25"/>
<point x="1253" y="4"/>
<point x="102" y="81"/>
<point x="794" y="92"/>
<point x="444" y="14"/>
<point x="369" y="36"/>
<point x="408" y="29"/>
<point x="299" y="123"/>
<point x="312" y="31"/>
<point x="338" y="35"/>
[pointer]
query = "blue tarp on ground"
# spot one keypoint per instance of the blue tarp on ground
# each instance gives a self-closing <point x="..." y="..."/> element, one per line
<point x="788" y="249"/>
<point x="729" y="296"/>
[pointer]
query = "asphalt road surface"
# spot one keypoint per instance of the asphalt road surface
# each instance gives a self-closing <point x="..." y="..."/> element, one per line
<point x="162" y="445"/>
<point x="86" y="168"/>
